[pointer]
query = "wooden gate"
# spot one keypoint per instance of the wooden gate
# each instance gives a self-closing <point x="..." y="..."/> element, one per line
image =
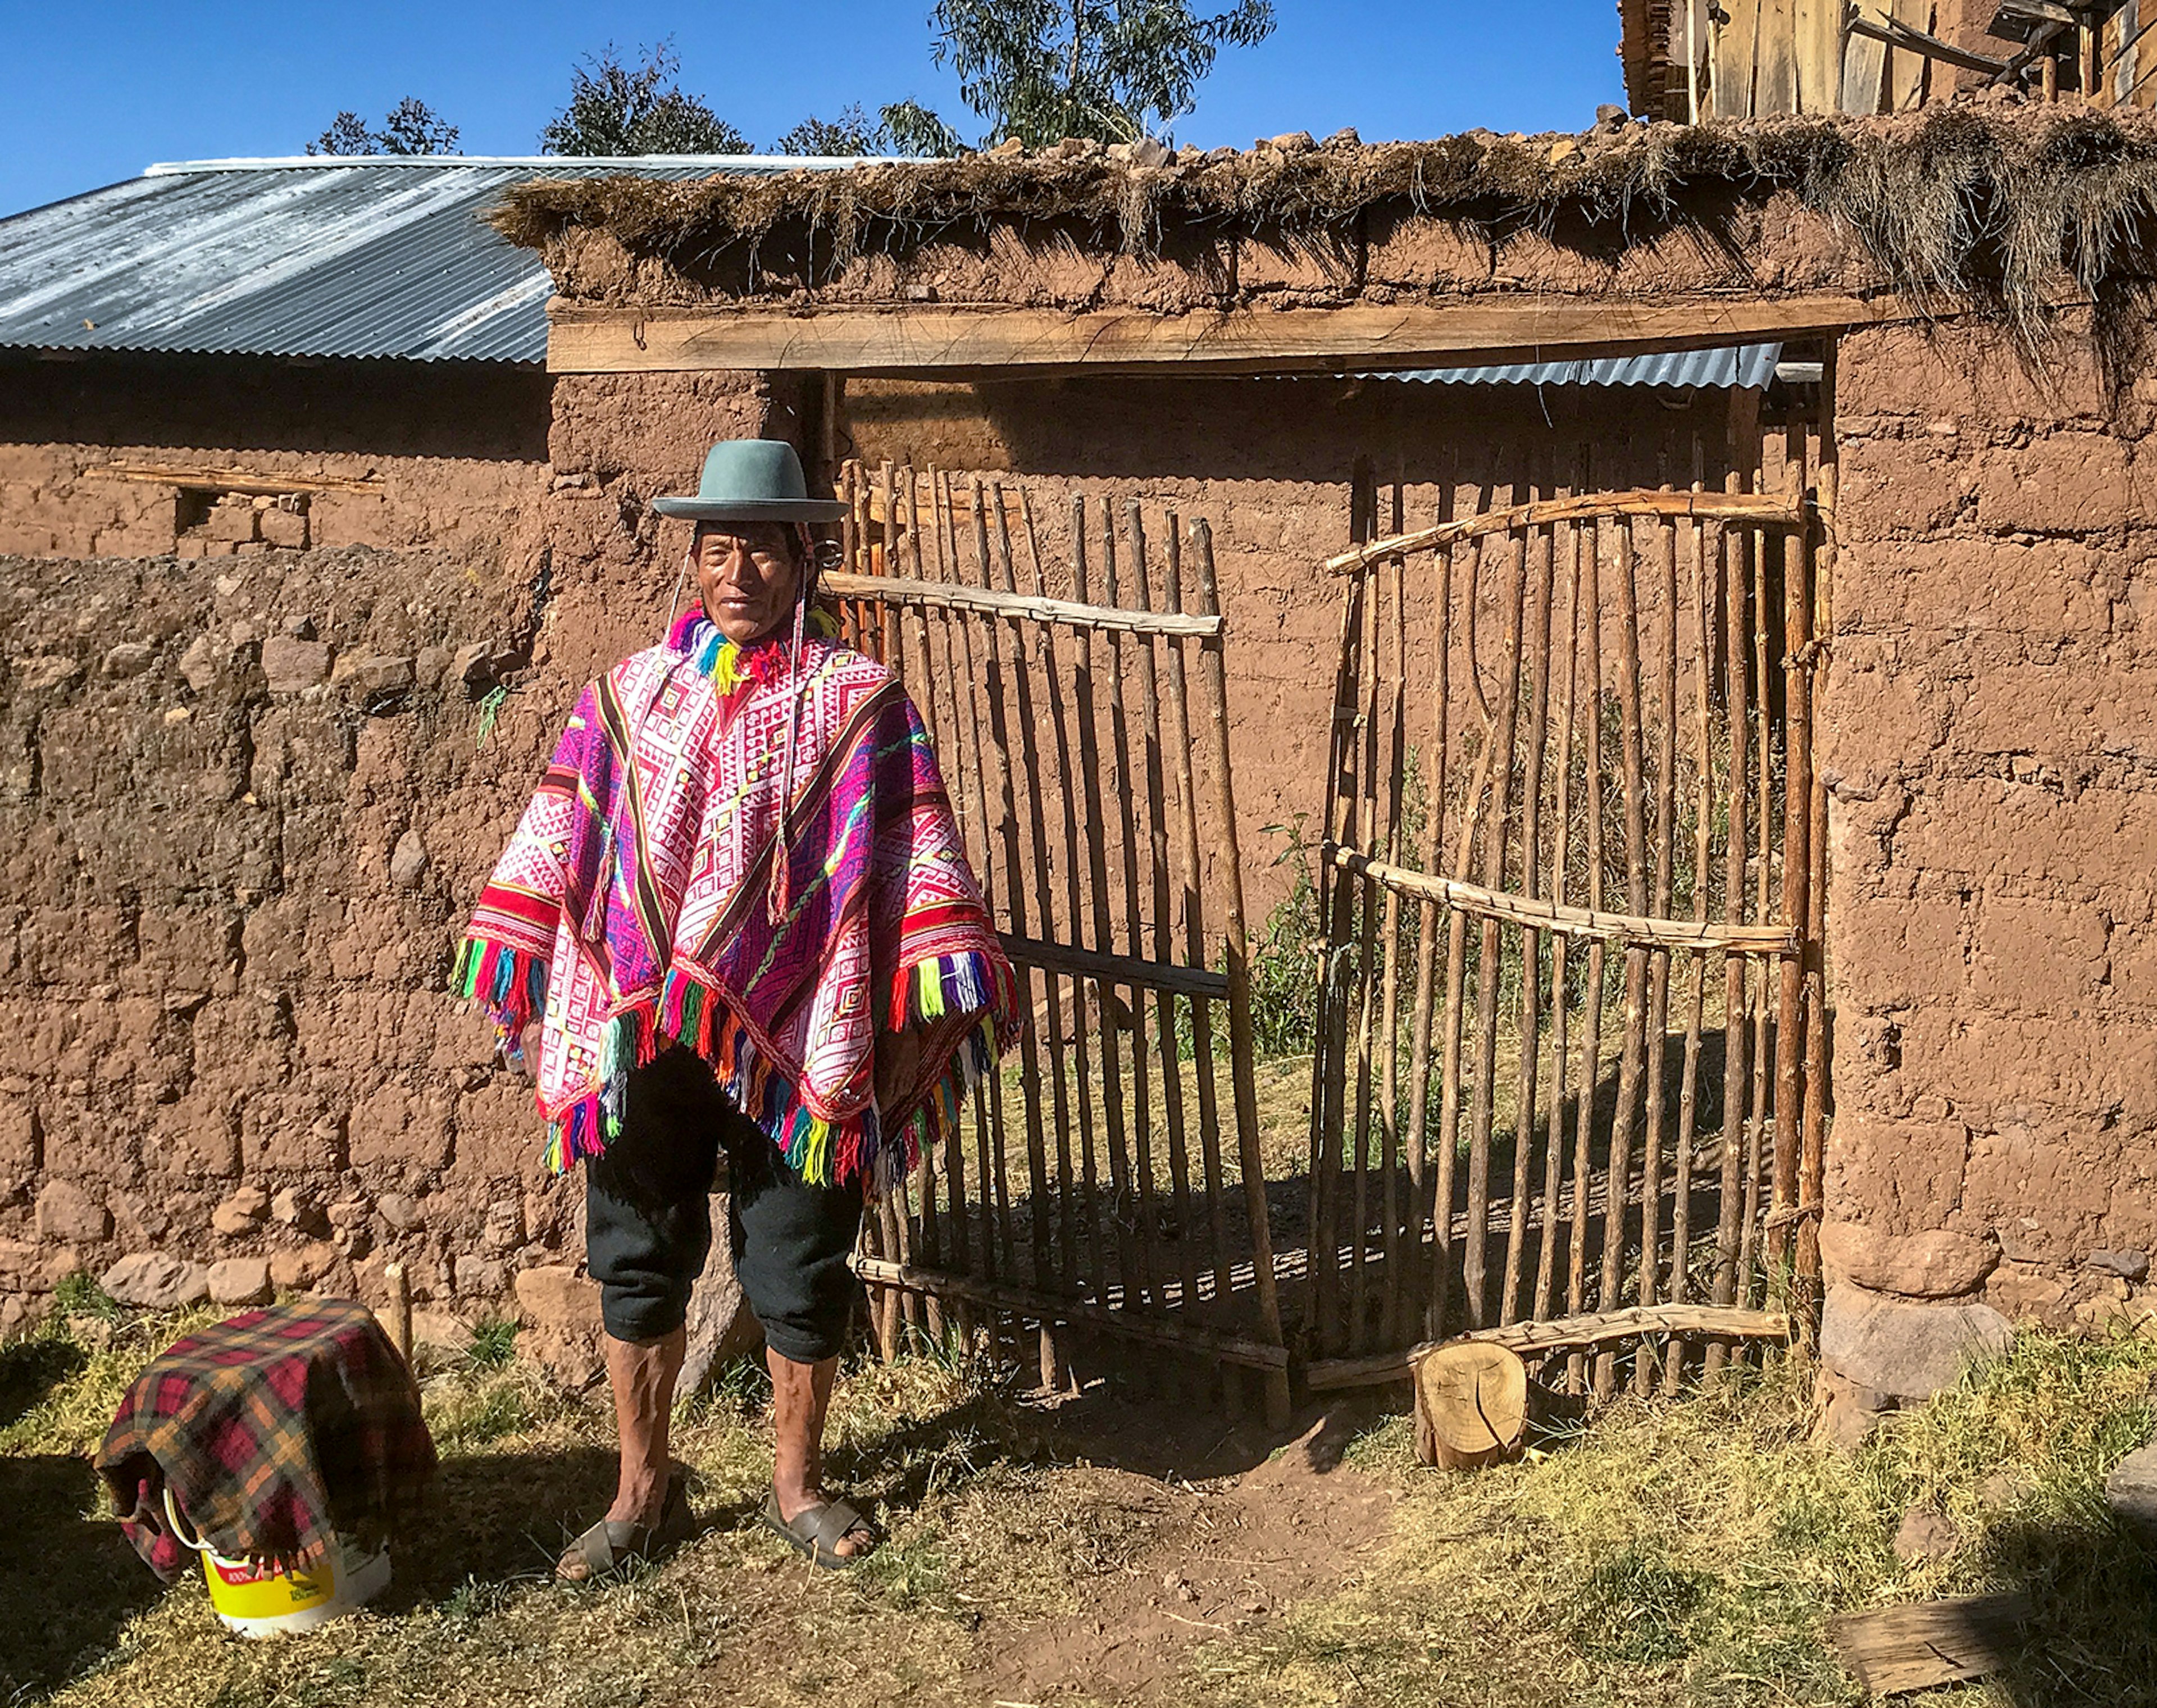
<point x="1116" y="1186"/>
<point x="1566" y="927"/>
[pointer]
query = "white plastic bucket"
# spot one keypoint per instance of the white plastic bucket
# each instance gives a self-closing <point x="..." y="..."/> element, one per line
<point x="258" y="1601"/>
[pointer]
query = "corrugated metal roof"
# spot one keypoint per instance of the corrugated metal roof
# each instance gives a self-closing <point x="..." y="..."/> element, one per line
<point x="1740" y="367"/>
<point x="313" y="256"/>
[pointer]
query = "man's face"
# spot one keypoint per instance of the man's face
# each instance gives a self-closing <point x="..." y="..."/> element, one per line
<point x="748" y="574"/>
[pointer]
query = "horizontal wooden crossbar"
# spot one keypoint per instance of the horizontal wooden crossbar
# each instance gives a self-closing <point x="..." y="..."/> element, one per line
<point x="1116" y="968"/>
<point x="1535" y="1340"/>
<point x="1571" y="921"/>
<point x="898" y="590"/>
<point x="197" y="478"/>
<point x="1049" y="1308"/>
<point x="1767" y="509"/>
<point x="904" y="339"/>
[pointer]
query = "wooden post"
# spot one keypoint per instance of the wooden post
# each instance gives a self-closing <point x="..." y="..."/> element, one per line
<point x="1237" y="952"/>
<point x="401" y="1310"/>
<point x="1797" y="869"/>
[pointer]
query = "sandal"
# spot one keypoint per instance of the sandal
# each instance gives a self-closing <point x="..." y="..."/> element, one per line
<point x="611" y="1544"/>
<point x="817" y="1531"/>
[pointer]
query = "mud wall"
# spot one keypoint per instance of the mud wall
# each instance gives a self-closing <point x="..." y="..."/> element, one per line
<point x="249" y="801"/>
<point x="452" y="454"/>
<point x="1989" y="740"/>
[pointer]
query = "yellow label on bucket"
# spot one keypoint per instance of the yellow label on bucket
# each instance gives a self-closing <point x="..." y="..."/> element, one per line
<point x="240" y="1591"/>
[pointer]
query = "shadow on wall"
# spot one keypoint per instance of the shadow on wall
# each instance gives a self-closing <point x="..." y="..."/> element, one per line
<point x="1310" y="431"/>
<point x="491" y="411"/>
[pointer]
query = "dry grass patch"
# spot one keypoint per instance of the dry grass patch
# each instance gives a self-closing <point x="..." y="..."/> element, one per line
<point x="1692" y="1552"/>
<point x="1685" y="1552"/>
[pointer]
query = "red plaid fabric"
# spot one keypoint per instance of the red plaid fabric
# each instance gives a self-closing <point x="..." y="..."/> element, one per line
<point x="277" y="1430"/>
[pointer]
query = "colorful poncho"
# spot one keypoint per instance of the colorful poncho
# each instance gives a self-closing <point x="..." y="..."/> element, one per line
<point x="637" y="905"/>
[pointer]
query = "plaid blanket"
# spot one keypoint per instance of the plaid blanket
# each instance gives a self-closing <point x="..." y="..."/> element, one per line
<point x="275" y="1430"/>
<point x="752" y="854"/>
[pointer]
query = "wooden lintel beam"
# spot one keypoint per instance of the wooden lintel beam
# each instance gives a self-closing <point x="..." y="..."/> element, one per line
<point x="583" y="338"/>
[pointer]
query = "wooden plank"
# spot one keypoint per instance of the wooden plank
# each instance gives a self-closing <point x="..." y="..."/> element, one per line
<point x="1864" y="70"/>
<point x="1906" y="69"/>
<point x="1562" y="1335"/>
<point x="1817" y="49"/>
<point x="198" y="477"/>
<point x="1735" y="41"/>
<point x="1775" y="510"/>
<point x="1775" y="66"/>
<point x="1050" y="1308"/>
<point x="583" y="338"/>
<point x="1638" y="928"/>
<point x="1927" y="1643"/>
<point x="959" y="596"/>
<point x="1900" y="35"/>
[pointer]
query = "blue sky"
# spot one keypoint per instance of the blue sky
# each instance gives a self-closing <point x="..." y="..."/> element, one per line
<point x="89" y="93"/>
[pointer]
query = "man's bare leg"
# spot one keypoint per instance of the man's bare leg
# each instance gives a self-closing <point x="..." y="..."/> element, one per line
<point x="642" y="1374"/>
<point x="800" y="1395"/>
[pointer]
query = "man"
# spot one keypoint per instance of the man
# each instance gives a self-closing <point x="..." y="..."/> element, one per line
<point x="737" y="919"/>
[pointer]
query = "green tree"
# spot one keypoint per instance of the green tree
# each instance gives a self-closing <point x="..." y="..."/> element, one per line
<point x="1044" y="69"/>
<point x="410" y="127"/>
<point x="616" y="109"/>
<point x="903" y="128"/>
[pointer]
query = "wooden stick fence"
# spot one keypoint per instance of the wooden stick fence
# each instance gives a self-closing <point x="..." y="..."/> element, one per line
<point x="1559" y="681"/>
<point x="1099" y="813"/>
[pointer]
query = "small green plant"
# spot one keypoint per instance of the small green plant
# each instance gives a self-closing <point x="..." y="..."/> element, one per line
<point x="492" y="1343"/>
<point x="1283" y="969"/>
<point x="490" y="708"/>
<point x="78" y="1294"/>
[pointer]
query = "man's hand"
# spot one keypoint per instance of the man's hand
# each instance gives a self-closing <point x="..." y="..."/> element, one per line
<point x="898" y="1066"/>
<point x="527" y="1061"/>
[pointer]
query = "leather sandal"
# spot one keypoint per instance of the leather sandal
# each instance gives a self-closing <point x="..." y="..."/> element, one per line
<point x="611" y="1544"/>
<point x="817" y="1531"/>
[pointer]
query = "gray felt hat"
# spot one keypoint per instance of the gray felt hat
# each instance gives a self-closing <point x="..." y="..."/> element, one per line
<point x="752" y="480"/>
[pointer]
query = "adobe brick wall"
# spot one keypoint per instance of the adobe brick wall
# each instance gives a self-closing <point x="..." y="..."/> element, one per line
<point x="460" y="449"/>
<point x="247" y="807"/>
<point x="1989" y="737"/>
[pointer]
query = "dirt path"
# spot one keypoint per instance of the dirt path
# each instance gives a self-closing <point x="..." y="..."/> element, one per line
<point x="1231" y="1552"/>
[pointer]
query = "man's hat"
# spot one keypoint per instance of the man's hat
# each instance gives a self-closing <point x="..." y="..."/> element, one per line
<point x="752" y="480"/>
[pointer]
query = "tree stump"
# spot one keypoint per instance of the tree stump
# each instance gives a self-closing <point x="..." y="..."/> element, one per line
<point x="1471" y="1405"/>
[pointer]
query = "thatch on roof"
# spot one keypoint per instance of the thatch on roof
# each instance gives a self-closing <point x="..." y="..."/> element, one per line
<point x="1983" y="207"/>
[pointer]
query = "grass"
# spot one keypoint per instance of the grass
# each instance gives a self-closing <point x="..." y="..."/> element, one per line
<point x="1685" y="1552"/>
<point x="1691" y="1552"/>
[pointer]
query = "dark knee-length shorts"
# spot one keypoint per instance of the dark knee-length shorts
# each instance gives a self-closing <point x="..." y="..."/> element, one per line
<point x="648" y="1226"/>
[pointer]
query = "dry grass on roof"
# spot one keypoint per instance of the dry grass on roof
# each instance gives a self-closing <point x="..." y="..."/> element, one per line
<point x="1991" y="208"/>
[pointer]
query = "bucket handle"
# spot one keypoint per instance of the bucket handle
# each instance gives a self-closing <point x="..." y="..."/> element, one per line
<point x="179" y="1533"/>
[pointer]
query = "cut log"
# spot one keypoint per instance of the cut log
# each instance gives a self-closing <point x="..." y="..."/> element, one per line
<point x="1471" y="1405"/>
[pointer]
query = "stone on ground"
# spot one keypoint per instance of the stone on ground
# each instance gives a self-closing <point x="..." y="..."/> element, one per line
<point x="1906" y="1351"/>
<point x="2131" y="1490"/>
<point x="722" y="1327"/>
<point x="240" y="1281"/>
<point x="561" y="1311"/>
<point x="1925" y="1535"/>
<point x="156" y="1282"/>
